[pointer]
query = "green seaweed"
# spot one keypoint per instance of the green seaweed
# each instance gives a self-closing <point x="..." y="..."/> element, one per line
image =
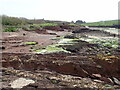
<point x="104" y="42"/>
<point x="29" y="43"/>
<point x="56" y="47"/>
<point x="51" y="49"/>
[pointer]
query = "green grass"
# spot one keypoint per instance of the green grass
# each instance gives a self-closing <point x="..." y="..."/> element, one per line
<point x="72" y="24"/>
<point x="11" y="29"/>
<point x="48" y="24"/>
<point x="102" y="23"/>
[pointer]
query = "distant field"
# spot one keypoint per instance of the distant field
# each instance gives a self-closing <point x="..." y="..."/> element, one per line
<point x="103" y="23"/>
<point x="48" y="24"/>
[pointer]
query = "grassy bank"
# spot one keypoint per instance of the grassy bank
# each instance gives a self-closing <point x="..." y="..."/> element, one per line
<point x="103" y="23"/>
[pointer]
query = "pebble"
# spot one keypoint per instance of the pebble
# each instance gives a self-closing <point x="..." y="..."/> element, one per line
<point x="97" y="75"/>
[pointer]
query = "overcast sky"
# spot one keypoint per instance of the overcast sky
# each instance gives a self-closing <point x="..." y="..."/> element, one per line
<point x="66" y="10"/>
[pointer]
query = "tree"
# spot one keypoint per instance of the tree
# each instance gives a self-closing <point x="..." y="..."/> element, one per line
<point x="79" y="22"/>
<point x="72" y="21"/>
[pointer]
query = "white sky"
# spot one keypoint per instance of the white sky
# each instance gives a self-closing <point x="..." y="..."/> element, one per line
<point x="66" y="10"/>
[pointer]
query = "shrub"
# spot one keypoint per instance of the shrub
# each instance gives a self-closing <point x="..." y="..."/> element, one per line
<point x="31" y="27"/>
<point x="11" y="20"/>
<point x="11" y="29"/>
<point x="25" y="28"/>
<point x="35" y="27"/>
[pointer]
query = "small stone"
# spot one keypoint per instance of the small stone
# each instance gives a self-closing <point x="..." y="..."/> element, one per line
<point x="99" y="81"/>
<point x="98" y="66"/>
<point x="74" y="85"/>
<point x="85" y="86"/>
<point x="2" y="47"/>
<point x="55" y="81"/>
<point x="116" y="81"/>
<point x="111" y="80"/>
<point x="24" y="34"/>
<point x="97" y="75"/>
<point x="21" y="82"/>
